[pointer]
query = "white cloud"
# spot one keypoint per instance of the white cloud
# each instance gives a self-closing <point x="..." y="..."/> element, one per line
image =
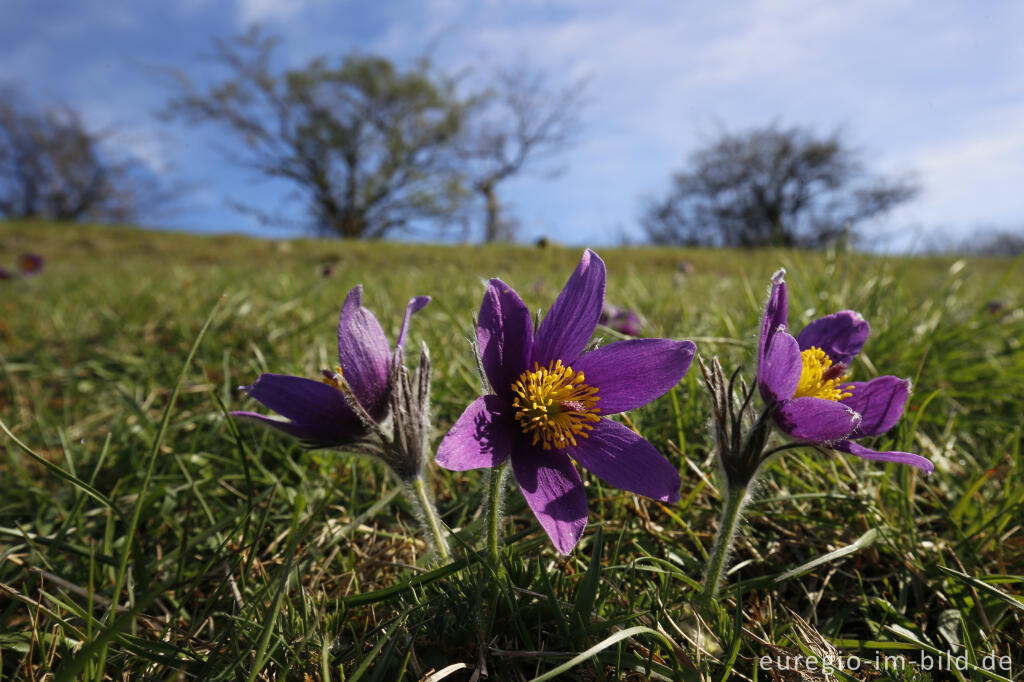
<point x="145" y="145"/>
<point x="976" y="177"/>
<point x="268" y="11"/>
<point x="143" y="142"/>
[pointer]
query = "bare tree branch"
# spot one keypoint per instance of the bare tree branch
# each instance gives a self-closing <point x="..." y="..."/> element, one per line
<point x="771" y="186"/>
<point x="516" y="124"/>
<point x="53" y="167"/>
<point x="366" y="145"/>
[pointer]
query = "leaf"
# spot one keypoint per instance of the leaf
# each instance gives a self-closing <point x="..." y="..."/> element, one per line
<point x="586" y="592"/>
<point x="863" y="541"/>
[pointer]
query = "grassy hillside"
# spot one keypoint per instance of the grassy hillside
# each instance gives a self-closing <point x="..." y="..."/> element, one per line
<point x="252" y="558"/>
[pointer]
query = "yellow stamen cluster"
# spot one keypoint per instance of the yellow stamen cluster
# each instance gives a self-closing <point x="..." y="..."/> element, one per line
<point x="335" y="380"/>
<point x="818" y="378"/>
<point x="555" y="405"/>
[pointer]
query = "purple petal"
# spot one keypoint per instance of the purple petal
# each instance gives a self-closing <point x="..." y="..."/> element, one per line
<point x="841" y="335"/>
<point x="505" y="336"/>
<point x="913" y="460"/>
<point x="363" y="353"/>
<point x="553" y="489"/>
<point x="622" y="458"/>
<point x="308" y="438"/>
<point x="816" y="420"/>
<point x="879" y="402"/>
<point x="481" y="438"/>
<point x="570" y="323"/>
<point x="628" y="374"/>
<point x="416" y="304"/>
<point x="778" y="372"/>
<point x="318" y="412"/>
<point x="775" y="313"/>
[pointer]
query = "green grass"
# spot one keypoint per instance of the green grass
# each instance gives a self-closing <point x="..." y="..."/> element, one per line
<point x="254" y="559"/>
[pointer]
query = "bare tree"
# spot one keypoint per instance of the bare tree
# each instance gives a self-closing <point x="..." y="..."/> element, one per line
<point x="365" y="144"/>
<point x="517" y="123"/>
<point x="53" y="167"/>
<point x="994" y="242"/>
<point x="771" y="186"/>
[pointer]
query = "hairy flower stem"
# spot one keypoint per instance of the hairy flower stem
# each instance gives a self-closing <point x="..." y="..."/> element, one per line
<point x="430" y="520"/>
<point x="496" y="487"/>
<point x="735" y="498"/>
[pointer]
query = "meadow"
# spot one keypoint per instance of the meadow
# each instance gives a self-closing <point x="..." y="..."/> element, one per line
<point x="145" y="535"/>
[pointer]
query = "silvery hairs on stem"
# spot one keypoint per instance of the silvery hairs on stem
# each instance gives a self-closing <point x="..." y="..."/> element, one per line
<point x="739" y="454"/>
<point x="400" y="439"/>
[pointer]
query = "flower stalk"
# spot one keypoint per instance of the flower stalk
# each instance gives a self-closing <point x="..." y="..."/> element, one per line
<point x="735" y="500"/>
<point x="430" y="518"/>
<point x="739" y="452"/>
<point x="406" y="450"/>
<point x="739" y="456"/>
<point x="496" y="488"/>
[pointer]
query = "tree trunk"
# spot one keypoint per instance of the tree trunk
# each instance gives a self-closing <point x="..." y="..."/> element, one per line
<point x="492" y="228"/>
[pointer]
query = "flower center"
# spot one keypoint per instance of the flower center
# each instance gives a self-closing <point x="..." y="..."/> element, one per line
<point x="554" y="405"/>
<point x="819" y="378"/>
<point x="332" y="378"/>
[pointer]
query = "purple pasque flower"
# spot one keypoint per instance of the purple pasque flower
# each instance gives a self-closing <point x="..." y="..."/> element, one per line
<point x="549" y="400"/>
<point x="623" y="320"/>
<point x="31" y="264"/>
<point x="343" y="407"/>
<point x="803" y="378"/>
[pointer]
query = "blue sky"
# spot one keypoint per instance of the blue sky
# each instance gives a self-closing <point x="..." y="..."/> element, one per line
<point x="935" y="88"/>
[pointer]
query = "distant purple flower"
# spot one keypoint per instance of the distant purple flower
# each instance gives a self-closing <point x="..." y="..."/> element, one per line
<point x="994" y="307"/>
<point x="804" y="379"/>
<point x="549" y="398"/>
<point x="685" y="267"/>
<point x="5" y="273"/>
<point x="623" y="320"/>
<point x="319" y="413"/>
<point x="30" y="263"/>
